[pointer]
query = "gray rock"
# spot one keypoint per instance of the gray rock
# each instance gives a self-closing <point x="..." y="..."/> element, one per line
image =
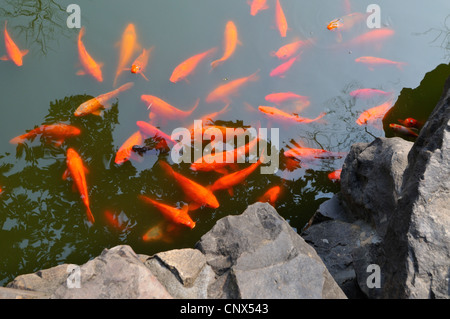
<point x="371" y="179"/>
<point x="117" y="273"/>
<point x="258" y="255"/>
<point x="417" y="243"/>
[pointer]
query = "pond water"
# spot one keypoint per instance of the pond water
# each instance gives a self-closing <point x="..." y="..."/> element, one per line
<point x="43" y="220"/>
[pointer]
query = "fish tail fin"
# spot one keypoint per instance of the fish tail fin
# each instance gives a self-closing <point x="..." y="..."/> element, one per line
<point x="255" y="76"/>
<point x="195" y="106"/>
<point x="82" y="32"/>
<point x="401" y="65"/>
<point x="215" y="63"/>
<point x="126" y="86"/>
<point x="143" y="75"/>
<point x="89" y="215"/>
<point x="21" y="138"/>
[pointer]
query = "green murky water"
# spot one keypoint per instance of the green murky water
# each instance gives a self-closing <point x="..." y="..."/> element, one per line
<point x="43" y="221"/>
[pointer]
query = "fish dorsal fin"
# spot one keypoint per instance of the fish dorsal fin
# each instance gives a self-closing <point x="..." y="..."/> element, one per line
<point x="65" y="174"/>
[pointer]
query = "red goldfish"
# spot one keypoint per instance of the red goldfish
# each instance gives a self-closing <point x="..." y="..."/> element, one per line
<point x="257" y="5"/>
<point x="97" y="104"/>
<point x="231" y="40"/>
<point x="151" y="131"/>
<point x="77" y="171"/>
<point x="230" y="180"/>
<point x="282" y="97"/>
<point x="307" y="153"/>
<point x="368" y="93"/>
<point x="140" y="64"/>
<point x="278" y="114"/>
<point x="166" y="110"/>
<point x="374" y="61"/>
<point x="410" y="122"/>
<point x="187" y="67"/>
<point x="173" y="214"/>
<point x="13" y="52"/>
<point x="89" y="65"/>
<point x="288" y="50"/>
<point x="284" y="67"/>
<point x="224" y="91"/>
<point x="53" y="131"/>
<point x="280" y="19"/>
<point x="194" y="191"/>
<point x="271" y="196"/>
<point x="128" y="46"/>
<point x="125" y="151"/>
<point x="403" y="130"/>
<point x="373" y="114"/>
<point x="335" y="175"/>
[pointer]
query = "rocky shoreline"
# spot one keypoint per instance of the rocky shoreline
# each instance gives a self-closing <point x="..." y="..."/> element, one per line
<point x="385" y="235"/>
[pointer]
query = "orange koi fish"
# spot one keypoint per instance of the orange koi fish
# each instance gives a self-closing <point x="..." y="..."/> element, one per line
<point x="160" y="232"/>
<point x="280" y="19"/>
<point x="403" y="130"/>
<point x="368" y="93"/>
<point x="282" y="97"/>
<point x="128" y="46"/>
<point x="59" y="132"/>
<point x="166" y="110"/>
<point x="187" y="67"/>
<point x="373" y="114"/>
<point x="13" y="52"/>
<point x="335" y="175"/>
<point x="271" y="196"/>
<point x="218" y="162"/>
<point x="97" y="104"/>
<point x="284" y="67"/>
<point x="288" y="50"/>
<point x="374" y="61"/>
<point x="77" y="171"/>
<point x="229" y="181"/>
<point x="278" y="114"/>
<point x="89" y="65"/>
<point x="307" y="153"/>
<point x="410" y="122"/>
<point x="257" y="5"/>
<point x="231" y="40"/>
<point x="125" y="151"/>
<point x="224" y="91"/>
<point x="173" y="214"/>
<point x="151" y="131"/>
<point x="372" y="36"/>
<point x="140" y="64"/>
<point x="194" y="191"/>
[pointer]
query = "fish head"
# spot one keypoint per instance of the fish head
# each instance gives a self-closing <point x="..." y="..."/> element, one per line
<point x="135" y="68"/>
<point x="336" y="23"/>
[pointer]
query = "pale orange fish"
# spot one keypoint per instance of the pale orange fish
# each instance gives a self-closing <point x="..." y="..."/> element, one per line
<point x="374" y="61"/>
<point x="284" y="67"/>
<point x="225" y="91"/>
<point x="97" y="104"/>
<point x="368" y="93"/>
<point x="271" y="196"/>
<point x="373" y="36"/>
<point x="228" y="181"/>
<point x="125" y="151"/>
<point x="187" y="67"/>
<point x="231" y="40"/>
<point x="346" y="22"/>
<point x="403" y="130"/>
<point x="280" y="19"/>
<point x="307" y="153"/>
<point x="164" y="109"/>
<point x="77" y="171"/>
<point x="173" y="214"/>
<point x="211" y="116"/>
<point x="58" y="132"/>
<point x="335" y="175"/>
<point x="374" y="114"/>
<point x="13" y="52"/>
<point x="90" y="66"/>
<point x="282" y="97"/>
<point x="289" y="50"/>
<point x="257" y="5"/>
<point x="201" y="195"/>
<point x="278" y="114"/>
<point x="149" y="130"/>
<point x="128" y="46"/>
<point x="140" y="64"/>
<point x="220" y="161"/>
<point x="161" y="232"/>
